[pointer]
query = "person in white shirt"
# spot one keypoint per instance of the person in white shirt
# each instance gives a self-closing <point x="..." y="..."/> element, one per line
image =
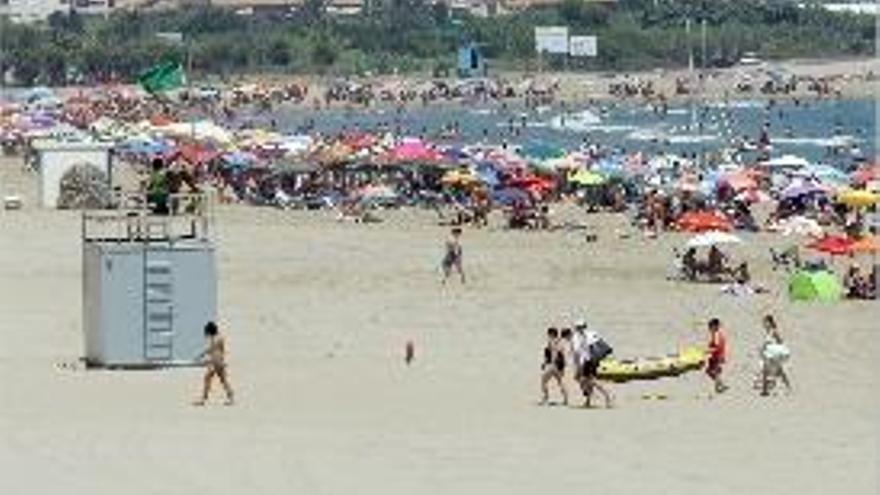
<point x="586" y="366"/>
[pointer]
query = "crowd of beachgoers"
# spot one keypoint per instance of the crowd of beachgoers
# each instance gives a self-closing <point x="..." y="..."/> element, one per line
<point x="196" y="141"/>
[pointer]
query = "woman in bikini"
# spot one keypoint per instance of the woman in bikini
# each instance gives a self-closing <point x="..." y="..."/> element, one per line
<point x="553" y="367"/>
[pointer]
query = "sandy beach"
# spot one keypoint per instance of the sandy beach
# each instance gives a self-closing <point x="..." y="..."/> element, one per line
<point x="854" y="78"/>
<point x="317" y="314"/>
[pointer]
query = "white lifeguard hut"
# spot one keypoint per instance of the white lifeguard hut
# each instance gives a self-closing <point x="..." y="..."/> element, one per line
<point x="149" y="284"/>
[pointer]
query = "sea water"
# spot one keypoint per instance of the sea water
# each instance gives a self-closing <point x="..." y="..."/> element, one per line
<point x="806" y="129"/>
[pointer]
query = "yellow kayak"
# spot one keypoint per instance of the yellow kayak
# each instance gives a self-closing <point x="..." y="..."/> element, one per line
<point x="652" y="368"/>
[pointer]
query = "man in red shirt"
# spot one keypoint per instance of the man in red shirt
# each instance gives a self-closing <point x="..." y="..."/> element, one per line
<point x="717" y="352"/>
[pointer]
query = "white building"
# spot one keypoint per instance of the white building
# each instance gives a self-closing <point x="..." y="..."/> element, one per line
<point x="28" y="11"/>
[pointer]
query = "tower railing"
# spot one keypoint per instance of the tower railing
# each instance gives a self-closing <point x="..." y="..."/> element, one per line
<point x="186" y="217"/>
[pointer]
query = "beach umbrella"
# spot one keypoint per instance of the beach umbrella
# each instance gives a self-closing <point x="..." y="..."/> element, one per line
<point x="713" y="238"/>
<point x="415" y="151"/>
<point x="142" y="145"/>
<point x="858" y="198"/>
<point x="559" y="163"/>
<point x="533" y="183"/>
<point x="801" y="225"/>
<point x="459" y="178"/>
<point x="800" y="189"/>
<point x="510" y="195"/>
<point x="739" y="181"/>
<point x="585" y="177"/>
<point x="785" y="161"/>
<point x="752" y="196"/>
<point x="195" y="154"/>
<point x="835" y="245"/>
<point x="239" y="159"/>
<point x="868" y="244"/>
<point x="814" y="286"/>
<point x="487" y="174"/>
<point x="704" y="221"/>
<point x="377" y="192"/>
<point x="610" y="167"/>
<point x="866" y="174"/>
<point x="826" y="174"/>
<point x="542" y="151"/>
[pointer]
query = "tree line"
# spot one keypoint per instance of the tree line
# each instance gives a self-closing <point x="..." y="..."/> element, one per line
<point x="415" y="35"/>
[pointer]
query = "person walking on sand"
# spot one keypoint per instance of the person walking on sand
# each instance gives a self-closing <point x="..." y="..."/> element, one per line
<point x="717" y="351"/>
<point x="215" y="365"/>
<point x="453" y="256"/>
<point x="553" y="367"/>
<point x="774" y="354"/>
<point x="588" y="349"/>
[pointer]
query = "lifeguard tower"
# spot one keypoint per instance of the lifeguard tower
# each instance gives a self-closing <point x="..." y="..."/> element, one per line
<point x="149" y="282"/>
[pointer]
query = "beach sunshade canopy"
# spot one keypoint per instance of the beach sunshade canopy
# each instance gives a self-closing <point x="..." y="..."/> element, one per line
<point x="800" y="189"/>
<point x="814" y="286"/>
<point x="704" y="221"/>
<point x="785" y="161"/>
<point x="533" y="184"/>
<point x="753" y="196"/>
<point x="377" y="192"/>
<point x="858" y="198"/>
<point x="827" y="174"/>
<point x="801" y="225"/>
<point x="740" y="181"/>
<point x="510" y="196"/>
<point x="585" y="177"/>
<point x="866" y="174"/>
<point x="239" y="159"/>
<point x="542" y="151"/>
<point x="832" y="244"/>
<point x="415" y="151"/>
<point x="868" y="244"/>
<point x="713" y="238"/>
<point x="459" y="178"/>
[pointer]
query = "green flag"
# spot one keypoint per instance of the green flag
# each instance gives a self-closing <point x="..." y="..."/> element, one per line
<point x="163" y="77"/>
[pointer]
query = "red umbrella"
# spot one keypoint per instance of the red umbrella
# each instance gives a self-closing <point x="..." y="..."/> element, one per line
<point x="534" y="184"/>
<point x="833" y="244"/>
<point x="703" y="221"/>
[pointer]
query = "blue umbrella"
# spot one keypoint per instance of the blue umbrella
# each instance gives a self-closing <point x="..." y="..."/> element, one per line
<point x="488" y="174"/>
<point x="510" y="196"/>
<point x="143" y="147"/>
<point x="798" y="190"/>
<point x="239" y="159"/>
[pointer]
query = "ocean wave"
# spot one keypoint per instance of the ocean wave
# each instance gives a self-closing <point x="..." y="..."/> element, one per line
<point x="833" y="142"/>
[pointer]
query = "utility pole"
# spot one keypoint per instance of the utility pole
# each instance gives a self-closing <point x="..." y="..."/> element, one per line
<point x="703" y="41"/>
<point x="687" y="31"/>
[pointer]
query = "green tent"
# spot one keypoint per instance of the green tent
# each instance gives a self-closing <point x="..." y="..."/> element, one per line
<point x="814" y="286"/>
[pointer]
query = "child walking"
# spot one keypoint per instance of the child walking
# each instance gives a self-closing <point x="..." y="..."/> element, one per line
<point x="717" y="351"/>
<point x="215" y="365"/>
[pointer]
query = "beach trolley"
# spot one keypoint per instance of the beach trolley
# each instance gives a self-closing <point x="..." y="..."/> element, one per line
<point x="149" y="284"/>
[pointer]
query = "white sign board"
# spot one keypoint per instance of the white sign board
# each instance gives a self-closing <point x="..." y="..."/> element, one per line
<point x="171" y="37"/>
<point x="582" y="46"/>
<point x="552" y="39"/>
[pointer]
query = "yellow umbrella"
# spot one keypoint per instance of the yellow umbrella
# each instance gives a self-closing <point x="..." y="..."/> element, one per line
<point x="458" y="177"/>
<point x="586" y="178"/>
<point x="858" y="198"/>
